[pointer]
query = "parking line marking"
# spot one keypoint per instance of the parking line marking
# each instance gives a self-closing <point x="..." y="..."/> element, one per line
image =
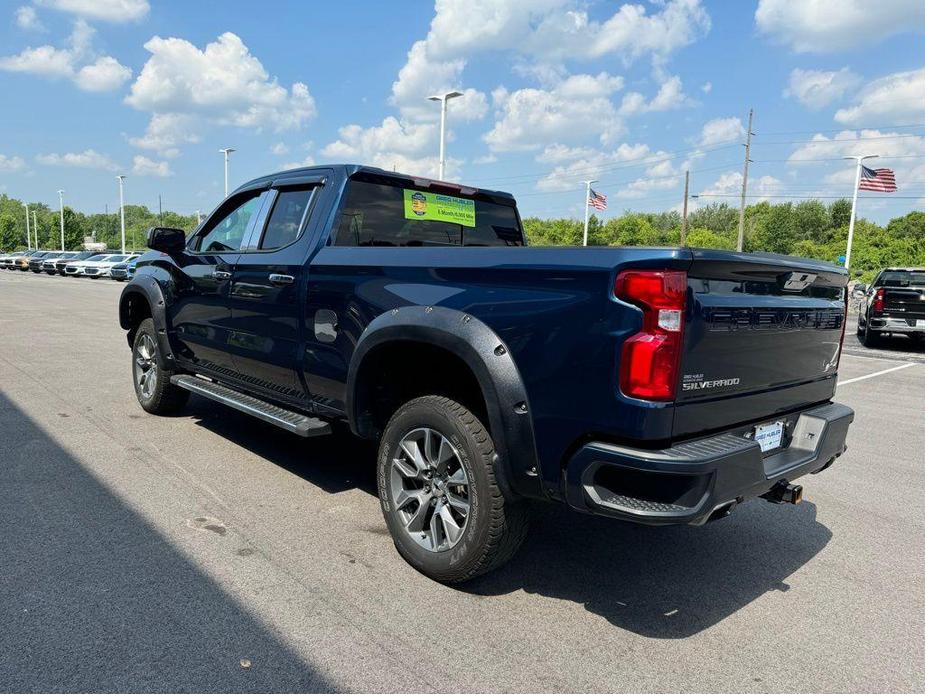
<point x="876" y="373"/>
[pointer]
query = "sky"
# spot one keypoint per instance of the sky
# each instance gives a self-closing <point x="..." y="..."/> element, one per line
<point x="632" y="94"/>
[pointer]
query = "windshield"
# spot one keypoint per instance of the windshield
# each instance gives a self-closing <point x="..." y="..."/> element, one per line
<point x="115" y="259"/>
<point x="99" y="256"/>
<point x="902" y="278"/>
<point x="387" y="214"/>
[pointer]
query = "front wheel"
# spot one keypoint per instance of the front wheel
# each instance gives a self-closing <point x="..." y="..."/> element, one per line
<point x="437" y="487"/>
<point x="156" y="394"/>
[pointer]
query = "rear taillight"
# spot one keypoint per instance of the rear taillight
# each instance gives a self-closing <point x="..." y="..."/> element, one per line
<point x="878" y="301"/>
<point x="650" y="359"/>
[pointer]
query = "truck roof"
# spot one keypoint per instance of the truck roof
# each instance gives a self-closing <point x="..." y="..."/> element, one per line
<point x="350" y="170"/>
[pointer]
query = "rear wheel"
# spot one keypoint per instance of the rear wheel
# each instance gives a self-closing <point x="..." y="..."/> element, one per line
<point x="437" y="487"/>
<point x="870" y="338"/>
<point x="156" y="394"/>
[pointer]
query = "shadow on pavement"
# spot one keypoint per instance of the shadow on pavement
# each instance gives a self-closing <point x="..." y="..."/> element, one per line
<point x="657" y="582"/>
<point x="94" y="598"/>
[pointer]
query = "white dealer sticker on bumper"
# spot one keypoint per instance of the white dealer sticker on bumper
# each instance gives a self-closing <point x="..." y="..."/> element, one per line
<point x="769" y="436"/>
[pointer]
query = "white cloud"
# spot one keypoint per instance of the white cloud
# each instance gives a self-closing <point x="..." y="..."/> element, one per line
<point x="581" y="163"/>
<point x="279" y="149"/>
<point x="706" y="87"/>
<point x="721" y="131"/>
<point x="540" y="30"/>
<point x="142" y="166"/>
<point x="27" y="18"/>
<point x="852" y="142"/>
<point x="395" y="144"/>
<point x="224" y="83"/>
<point x="816" y="89"/>
<point x="104" y="75"/>
<point x="307" y="161"/>
<point x="88" y="159"/>
<point x="11" y="163"/>
<point x="116" y="11"/>
<point x="75" y="62"/>
<point x="670" y="96"/>
<point x="730" y="183"/>
<point x="896" y="98"/>
<point x="166" y="132"/>
<point x="815" y="26"/>
<point x="577" y="108"/>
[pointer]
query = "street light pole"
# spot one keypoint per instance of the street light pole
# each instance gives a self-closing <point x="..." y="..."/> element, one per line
<point x="121" y="179"/>
<point x="35" y="230"/>
<point x="854" y="201"/>
<point x="587" y="201"/>
<point x="226" y="151"/>
<point x="61" y="200"/>
<point x="443" y="98"/>
<point x="28" y="233"/>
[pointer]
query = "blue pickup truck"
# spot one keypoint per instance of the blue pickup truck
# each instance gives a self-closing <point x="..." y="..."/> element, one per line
<point x="652" y="385"/>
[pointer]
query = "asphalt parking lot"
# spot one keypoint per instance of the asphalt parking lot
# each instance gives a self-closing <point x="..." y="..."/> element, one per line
<point x="209" y="552"/>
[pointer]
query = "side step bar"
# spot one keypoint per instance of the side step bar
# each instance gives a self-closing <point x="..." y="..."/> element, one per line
<point x="293" y="422"/>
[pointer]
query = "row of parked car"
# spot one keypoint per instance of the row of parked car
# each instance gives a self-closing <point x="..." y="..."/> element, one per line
<point x="93" y="264"/>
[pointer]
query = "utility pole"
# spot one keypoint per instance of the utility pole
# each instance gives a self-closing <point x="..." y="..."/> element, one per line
<point x="443" y="98"/>
<point x="854" y="201"/>
<point x="748" y="150"/>
<point x="687" y="180"/>
<point x="160" y="209"/>
<point x="28" y="236"/>
<point x="61" y="200"/>
<point x="226" y="151"/>
<point x="35" y="230"/>
<point x="587" y="200"/>
<point x="121" y="179"/>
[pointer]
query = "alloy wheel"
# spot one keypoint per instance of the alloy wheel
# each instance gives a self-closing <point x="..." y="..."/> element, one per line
<point x="146" y="366"/>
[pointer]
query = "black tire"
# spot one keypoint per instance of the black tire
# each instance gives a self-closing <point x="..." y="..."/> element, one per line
<point x="870" y="339"/>
<point x="163" y="397"/>
<point x="495" y="526"/>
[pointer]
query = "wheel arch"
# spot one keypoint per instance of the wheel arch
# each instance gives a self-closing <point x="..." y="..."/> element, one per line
<point x="487" y="360"/>
<point x="143" y="298"/>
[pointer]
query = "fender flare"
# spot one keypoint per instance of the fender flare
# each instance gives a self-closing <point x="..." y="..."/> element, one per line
<point x="149" y="290"/>
<point x="489" y="359"/>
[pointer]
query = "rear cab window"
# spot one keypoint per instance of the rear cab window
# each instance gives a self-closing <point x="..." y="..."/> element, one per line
<point x="398" y="213"/>
<point x="901" y="278"/>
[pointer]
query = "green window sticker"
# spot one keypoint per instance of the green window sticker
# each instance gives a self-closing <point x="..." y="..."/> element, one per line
<point x="439" y="208"/>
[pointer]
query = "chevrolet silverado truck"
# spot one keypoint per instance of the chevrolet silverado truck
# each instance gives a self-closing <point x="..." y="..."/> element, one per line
<point x="893" y="304"/>
<point x="653" y="385"/>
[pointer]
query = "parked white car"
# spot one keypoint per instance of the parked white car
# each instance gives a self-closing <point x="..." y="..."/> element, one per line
<point x="76" y="268"/>
<point x="101" y="268"/>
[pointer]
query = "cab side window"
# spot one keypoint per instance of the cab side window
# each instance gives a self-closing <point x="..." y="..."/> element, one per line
<point x="287" y="218"/>
<point x="226" y="232"/>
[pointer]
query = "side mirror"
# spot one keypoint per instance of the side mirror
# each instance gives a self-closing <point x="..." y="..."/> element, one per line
<point x="166" y="239"/>
<point x="859" y="291"/>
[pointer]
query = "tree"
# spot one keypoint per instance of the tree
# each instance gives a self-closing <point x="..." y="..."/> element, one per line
<point x="840" y="213"/>
<point x="706" y="238"/>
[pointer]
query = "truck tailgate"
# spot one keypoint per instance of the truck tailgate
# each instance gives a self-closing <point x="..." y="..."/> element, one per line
<point x="762" y="337"/>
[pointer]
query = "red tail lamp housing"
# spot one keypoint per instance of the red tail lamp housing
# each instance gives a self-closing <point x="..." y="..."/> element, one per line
<point x="877" y="305"/>
<point x="651" y="358"/>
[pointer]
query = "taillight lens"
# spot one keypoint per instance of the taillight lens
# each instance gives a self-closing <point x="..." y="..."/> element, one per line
<point x="650" y="359"/>
<point x="878" y="301"/>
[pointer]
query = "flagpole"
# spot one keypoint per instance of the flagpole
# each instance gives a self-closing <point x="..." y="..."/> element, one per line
<point x="587" y="201"/>
<point x="854" y="202"/>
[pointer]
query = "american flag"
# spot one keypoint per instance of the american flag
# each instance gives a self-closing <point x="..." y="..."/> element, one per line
<point x="878" y="180"/>
<point x="597" y="200"/>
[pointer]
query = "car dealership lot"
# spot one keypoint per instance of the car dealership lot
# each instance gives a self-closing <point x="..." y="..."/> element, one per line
<point x="210" y="552"/>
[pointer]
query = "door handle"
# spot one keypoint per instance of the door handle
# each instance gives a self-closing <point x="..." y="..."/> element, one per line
<point x="281" y="279"/>
<point x="221" y="275"/>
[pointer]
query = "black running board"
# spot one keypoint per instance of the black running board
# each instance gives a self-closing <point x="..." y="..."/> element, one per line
<point x="293" y="422"/>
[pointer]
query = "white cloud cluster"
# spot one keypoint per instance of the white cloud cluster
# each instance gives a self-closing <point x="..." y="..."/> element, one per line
<point x="816" y="89"/>
<point x="577" y="108"/>
<point x="730" y="183"/>
<point x="574" y="164"/>
<point x="76" y="62"/>
<point x="898" y="98"/>
<point x="670" y="96"/>
<point x="836" y="25"/>
<point x="393" y="144"/>
<point x="27" y="18"/>
<point x="13" y="163"/>
<point x="115" y="11"/>
<point x="165" y="133"/>
<point x="142" y="166"/>
<point x="224" y="81"/>
<point x="721" y="131"/>
<point x="852" y="142"/>
<point x="88" y="159"/>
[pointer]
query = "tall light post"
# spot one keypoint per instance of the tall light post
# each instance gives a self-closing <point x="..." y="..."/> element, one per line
<point x="443" y="98"/>
<point x="854" y="201"/>
<point x="587" y="202"/>
<point x="28" y="233"/>
<point x="35" y="230"/>
<point x="226" y="151"/>
<point x="121" y="179"/>
<point x="61" y="201"/>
